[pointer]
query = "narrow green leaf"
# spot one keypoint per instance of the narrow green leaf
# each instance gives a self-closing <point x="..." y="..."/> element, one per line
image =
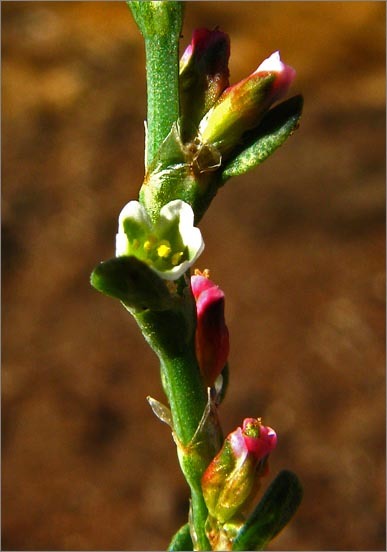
<point x="273" y="512"/>
<point x="132" y="282"/>
<point x="277" y="125"/>
<point x="181" y="540"/>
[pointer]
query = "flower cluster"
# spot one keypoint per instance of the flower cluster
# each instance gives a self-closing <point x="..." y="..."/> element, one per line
<point x="221" y="131"/>
<point x="214" y="119"/>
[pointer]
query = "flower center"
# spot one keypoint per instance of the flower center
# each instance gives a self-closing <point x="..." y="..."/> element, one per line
<point x="252" y="429"/>
<point x="160" y="252"/>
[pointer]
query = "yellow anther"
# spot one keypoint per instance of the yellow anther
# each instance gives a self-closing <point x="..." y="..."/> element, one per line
<point x="135" y="244"/>
<point x="149" y="243"/>
<point x="147" y="246"/>
<point x="164" y="249"/>
<point x="176" y="258"/>
<point x="205" y="273"/>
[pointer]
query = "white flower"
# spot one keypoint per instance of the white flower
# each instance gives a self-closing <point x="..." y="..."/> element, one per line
<point x="169" y="246"/>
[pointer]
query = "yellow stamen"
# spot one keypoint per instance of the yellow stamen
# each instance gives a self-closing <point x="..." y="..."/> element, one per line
<point x="176" y="258"/>
<point x="147" y="246"/>
<point x="149" y="243"/>
<point x="164" y="249"/>
<point x="205" y="273"/>
<point x="135" y="244"/>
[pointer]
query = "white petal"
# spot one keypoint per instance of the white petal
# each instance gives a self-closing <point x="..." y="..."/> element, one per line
<point x="177" y="209"/>
<point x="121" y="244"/>
<point x="175" y="272"/>
<point x="136" y="211"/>
<point x="272" y="63"/>
<point x="195" y="244"/>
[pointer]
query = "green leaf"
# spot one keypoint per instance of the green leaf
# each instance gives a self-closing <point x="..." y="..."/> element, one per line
<point x="132" y="282"/>
<point x="181" y="540"/>
<point x="277" y="125"/>
<point x="273" y="512"/>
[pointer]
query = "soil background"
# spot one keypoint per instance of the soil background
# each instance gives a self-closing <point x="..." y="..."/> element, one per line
<point x="298" y="246"/>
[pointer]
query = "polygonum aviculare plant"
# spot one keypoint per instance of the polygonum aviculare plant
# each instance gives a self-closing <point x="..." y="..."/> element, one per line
<point x="200" y="132"/>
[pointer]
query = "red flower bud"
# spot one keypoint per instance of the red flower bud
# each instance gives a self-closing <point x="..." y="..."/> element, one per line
<point x="232" y="478"/>
<point x="259" y="439"/>
<point x="203" y="76"/>
<point x="212" y="338"/>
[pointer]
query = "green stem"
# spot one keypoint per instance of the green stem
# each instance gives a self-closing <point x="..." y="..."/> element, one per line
<point x="169" y="336"/>
<point x="171" y="333"/>
<point x="199" y="518"/>
<point x="188" y="401"/>
<point x="185" y="392"/>
<point x="160" y="23"/>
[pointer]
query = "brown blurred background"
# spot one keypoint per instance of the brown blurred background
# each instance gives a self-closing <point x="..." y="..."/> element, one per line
<point x="298" y="245"/>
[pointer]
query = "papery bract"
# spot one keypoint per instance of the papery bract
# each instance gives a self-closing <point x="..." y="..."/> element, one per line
<point x="169" y="246"/>
<point x="241" y="106"/>
<point x="232" y="478"/>
<point x="212" y="337"/>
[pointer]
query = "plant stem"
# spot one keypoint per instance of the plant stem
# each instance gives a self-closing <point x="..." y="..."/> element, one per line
<point x="171" y="333"/>
<point x="160" y="23"/>
<point x="168" y="335"/>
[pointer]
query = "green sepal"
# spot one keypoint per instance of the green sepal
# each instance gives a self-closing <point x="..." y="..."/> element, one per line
<point x="273" y="512"/>
<point x="181" y="540"/>
<point x="132" y="282"/>
<point x="276" y="126"/>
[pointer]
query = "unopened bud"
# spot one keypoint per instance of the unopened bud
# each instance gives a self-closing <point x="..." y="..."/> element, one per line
<point x="241" y="107"/>
<point x="230" y="481"/>
<point x="212" y="337"/>
<point x="203" y="76"/>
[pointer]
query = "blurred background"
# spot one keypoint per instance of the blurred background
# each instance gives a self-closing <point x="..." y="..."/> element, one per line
<point x="298" y="246"/>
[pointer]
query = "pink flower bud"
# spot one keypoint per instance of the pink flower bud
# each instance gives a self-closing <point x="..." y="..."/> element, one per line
<point x="232" y="478"/>
<point x="259" y="439"/>
<point x="241" y="107"/>
<point x="212" y="338"/>
<point x="285" y="75"/>
<point x="203" y="76"/>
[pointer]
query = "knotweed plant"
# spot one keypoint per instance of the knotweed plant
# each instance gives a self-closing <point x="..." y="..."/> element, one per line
<point x="200" y="132"/>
